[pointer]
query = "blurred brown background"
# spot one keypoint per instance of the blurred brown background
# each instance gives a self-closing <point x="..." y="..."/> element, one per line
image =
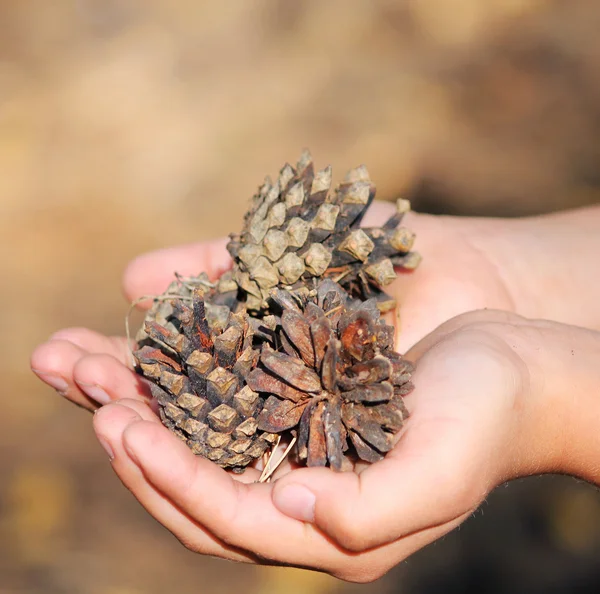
<point x="126" y="125"/>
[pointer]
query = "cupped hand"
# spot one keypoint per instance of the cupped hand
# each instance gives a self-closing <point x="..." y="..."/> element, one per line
<point x="458" y="274"/>
<point x="474" y="411"/>
<point x="473" y="419"/>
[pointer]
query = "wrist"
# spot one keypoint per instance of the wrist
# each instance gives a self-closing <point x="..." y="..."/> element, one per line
<point x="559" y="420"/>
<point x="581" y="402"/>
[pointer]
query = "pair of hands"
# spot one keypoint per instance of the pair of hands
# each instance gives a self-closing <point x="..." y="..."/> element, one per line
<point x="475" y="420"/>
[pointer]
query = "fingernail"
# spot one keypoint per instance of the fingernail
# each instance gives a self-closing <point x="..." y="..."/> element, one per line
<point x="296" y="501"/>
<point x="95" y="393"/>
<point x="106" y="447"/>
<point x="57" y="382"/>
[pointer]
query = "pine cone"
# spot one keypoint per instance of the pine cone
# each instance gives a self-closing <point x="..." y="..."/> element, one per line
<point x="296" y="230"/>
<point x="338" y="382"/>
<point x="197" y="356"/>
<point x="276" y="345"/>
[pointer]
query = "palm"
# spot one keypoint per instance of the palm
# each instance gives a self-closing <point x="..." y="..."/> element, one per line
<point x="456" y="275"/>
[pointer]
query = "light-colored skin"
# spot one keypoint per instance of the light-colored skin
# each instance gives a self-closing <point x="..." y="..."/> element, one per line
<point x="497" y="396"/>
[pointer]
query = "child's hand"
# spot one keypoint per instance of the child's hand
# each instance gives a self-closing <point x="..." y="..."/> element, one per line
<point x="496" y="397"/>
<point x="456" y="275"/>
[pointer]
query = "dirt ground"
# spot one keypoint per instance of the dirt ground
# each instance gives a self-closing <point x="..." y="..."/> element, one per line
<point x="127" y="125"/>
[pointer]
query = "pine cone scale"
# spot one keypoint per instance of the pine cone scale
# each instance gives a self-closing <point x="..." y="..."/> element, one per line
<point x="260" y="381"/>
<point x="334" y="436"/>
<point x="280" y="415"/>
<point x="297" y="329"/>
<point x="374" y="393"/>
<point x="291" y="370"/>
<point x="317" y="443"/>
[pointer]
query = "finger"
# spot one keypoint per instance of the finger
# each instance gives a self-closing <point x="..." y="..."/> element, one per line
<point x="391" y="500"/>
<point x="446" y="461"/>
<point x="109" y="423"/>
<point x="94" y="342"/>
<point x="243" y="515"/>
<point x="239" y="514"/>
<point x="105" y="379"/>
<point x="151" y="273"/>
<point x="53" y="362"/>
<point x="147" y="413"/>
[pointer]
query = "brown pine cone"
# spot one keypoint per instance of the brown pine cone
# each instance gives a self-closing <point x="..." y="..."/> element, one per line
<point x="197" y="356"/>
<point x="337" y="381"/>
<point x="296" y="230"/>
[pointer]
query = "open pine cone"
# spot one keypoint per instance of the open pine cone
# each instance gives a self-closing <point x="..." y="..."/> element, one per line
<point x="337" y="381"/>
<point x="296" y="230"/>
<point x="197" y="356"/>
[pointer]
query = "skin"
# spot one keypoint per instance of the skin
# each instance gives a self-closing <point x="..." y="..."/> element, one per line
<point x="488" y="382"/>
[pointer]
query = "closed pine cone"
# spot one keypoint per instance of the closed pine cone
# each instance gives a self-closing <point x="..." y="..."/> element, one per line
<point x="296" y="230"/>
<point x="197" y="356"/>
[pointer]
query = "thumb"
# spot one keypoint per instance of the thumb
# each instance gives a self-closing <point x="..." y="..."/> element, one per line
<point x="417" y="487"/>
<point x="437" y="472"/>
